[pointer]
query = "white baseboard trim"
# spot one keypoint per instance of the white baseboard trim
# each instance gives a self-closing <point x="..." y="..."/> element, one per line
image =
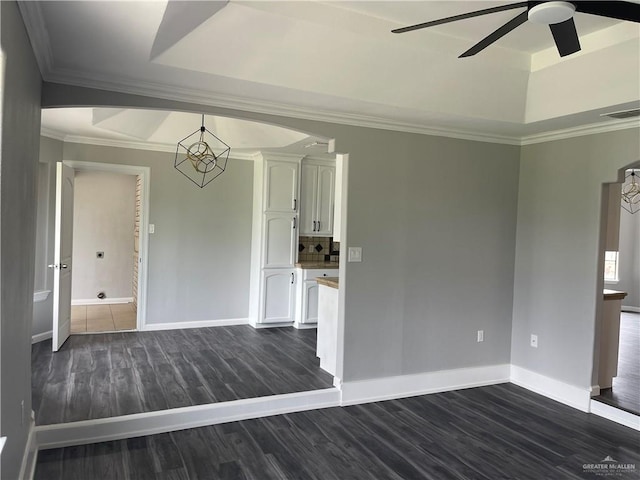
<point x="571" y="395"/>
<point x="39" y="337"/>
<point x="626" y="308"/>
<point x="163" y="421"/>
<point x="388" y="388"/>
<point x="270" y="325"/>
<point x="98" y="301"/>
<point x="305" y="326"/>
<point x="615" y="414"/>
<point x="195" y="324"/>
<point x="30" y="456"/>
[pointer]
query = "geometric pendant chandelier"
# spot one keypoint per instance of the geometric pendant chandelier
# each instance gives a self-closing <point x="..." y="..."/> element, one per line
<point x="631" y="193"/>
<point x="201" y="156"/>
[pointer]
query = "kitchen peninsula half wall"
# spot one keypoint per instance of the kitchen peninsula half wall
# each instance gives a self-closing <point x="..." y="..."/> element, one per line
<point x="327" y="323"/>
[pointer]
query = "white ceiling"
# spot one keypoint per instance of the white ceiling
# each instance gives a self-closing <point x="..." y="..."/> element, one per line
<point x="338" y="61"/>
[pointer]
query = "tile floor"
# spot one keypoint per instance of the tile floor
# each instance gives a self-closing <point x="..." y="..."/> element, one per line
<point x="103" y="318"/>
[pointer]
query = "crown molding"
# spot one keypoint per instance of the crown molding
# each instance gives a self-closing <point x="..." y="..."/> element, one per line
<point x="36" y="27"/>
<point x="38" y="34"/>
<point x="52" y="133"/>
<point x="154" y="90"/>
<point x="181" y="94"/>
<point x="591" y="129"/>
<point x="154" y="147"/>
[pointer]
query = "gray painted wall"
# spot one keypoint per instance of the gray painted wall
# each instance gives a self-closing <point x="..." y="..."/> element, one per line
<point x="104" y="206"/>
<point x="199" y="255"/>
<point x="558" y="274"/>
<point x="18" y="174"/>
<point x="436" y="218"/>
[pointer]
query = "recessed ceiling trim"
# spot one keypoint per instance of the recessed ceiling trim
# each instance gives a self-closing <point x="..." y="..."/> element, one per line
<point x="179" y="94"/>
<point x="580" y="131"/>
<point x="38" y="34"/>
<point x="154" y="147"/>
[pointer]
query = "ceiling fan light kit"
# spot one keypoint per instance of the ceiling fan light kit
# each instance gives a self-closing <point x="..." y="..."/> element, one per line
<point x="550" y="13"/>
<point x="557" y="15"/>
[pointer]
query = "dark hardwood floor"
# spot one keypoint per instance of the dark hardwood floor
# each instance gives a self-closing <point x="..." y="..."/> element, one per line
<point x="105" y="375"/>
<point x="487" y="433"/>
<point x="625" y="393"/>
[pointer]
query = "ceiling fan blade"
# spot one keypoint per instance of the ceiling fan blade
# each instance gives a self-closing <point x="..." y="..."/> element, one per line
<point x="499" y="33"/>
<point x="566" y="37"/>
<point x="477" y="13"/>
<point x="620" y="10"/>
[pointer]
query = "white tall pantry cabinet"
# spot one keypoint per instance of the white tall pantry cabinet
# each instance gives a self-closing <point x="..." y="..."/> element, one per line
<point x="275" y="237"/>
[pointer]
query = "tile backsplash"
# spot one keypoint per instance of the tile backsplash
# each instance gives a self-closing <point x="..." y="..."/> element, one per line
<point x="318" y="249"/>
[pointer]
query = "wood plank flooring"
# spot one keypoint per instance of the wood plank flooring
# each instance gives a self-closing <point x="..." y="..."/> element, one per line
<point x="105" y="375"/>
<point x="487" y="433"/>
<point x="625" y="392"/>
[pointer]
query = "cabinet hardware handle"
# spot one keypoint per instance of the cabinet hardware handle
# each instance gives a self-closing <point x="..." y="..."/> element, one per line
<point x="294" y="222"/>
<point x="314" y="225"/>
<point x="63" y="266"/>
<point x="53" y="265"/>
<point x="292" y="278"/>
<point x="295" y="203"/>
<point x="318" y="225"/>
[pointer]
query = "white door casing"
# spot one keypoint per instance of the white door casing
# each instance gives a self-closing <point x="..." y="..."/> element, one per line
<point x="62" y="255"/>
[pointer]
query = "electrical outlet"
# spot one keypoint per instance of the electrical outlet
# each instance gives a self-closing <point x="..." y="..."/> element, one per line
<point x="480" y="335"/>
<point x="534" y="340"/>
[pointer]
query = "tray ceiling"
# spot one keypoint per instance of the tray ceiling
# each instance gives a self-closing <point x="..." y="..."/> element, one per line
<point x="338" y="61"/>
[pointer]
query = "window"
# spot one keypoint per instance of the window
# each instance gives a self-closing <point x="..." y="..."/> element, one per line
<point x="610" y="266"/>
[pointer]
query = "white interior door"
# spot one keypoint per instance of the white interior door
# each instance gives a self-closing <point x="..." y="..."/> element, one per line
<point x="62" y="255"/>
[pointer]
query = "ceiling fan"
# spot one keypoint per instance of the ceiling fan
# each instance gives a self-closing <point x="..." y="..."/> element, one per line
<point x="558" y="15"/>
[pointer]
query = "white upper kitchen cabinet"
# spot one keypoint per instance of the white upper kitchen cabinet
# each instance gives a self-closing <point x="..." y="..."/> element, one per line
<point x="281" y="186"/>
<point x="318" y="195"/>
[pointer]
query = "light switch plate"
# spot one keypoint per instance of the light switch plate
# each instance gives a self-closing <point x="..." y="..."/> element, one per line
<point x="354" y="254"/>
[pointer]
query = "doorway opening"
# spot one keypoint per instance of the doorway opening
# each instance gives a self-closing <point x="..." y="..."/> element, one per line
<point x="618" y="334"/>
<point x="106" y="236"/>
<point x="100" y="227"/>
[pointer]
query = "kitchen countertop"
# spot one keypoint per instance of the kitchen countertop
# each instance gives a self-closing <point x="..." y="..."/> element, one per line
<point x="317" y="265"/>
<point x="328" y="281"/>
<point x="614" y="294"/>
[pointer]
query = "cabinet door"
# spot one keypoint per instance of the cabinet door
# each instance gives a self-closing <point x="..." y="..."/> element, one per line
<point x="279" y="240"/>
<point x="309" y="193"/>
<point x="325" y="200"/>
<point x="277" y="296"/>
<point x="281" y="186"/>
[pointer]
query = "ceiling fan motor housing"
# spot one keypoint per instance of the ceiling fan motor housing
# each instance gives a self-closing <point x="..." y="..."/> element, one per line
<point x="550" y="13"/>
